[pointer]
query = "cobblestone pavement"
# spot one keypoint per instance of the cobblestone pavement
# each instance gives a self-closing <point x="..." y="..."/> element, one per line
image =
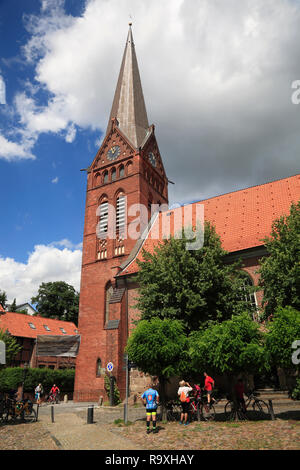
<point x="70" y="430"/>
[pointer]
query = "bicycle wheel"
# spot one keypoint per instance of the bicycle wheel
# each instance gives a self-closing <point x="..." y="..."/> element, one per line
<point x="207" y="412"/>
<point x="30" y="415"/>
<point x="170" y="416"/>
<point x="228" y="410"/>
<point x="261" y="409"/>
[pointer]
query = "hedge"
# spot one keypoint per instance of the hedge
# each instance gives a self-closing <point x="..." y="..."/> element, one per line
<point x="11" y="377"/>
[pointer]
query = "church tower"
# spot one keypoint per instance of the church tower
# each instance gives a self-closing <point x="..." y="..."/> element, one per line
<point x="124" y="182"/>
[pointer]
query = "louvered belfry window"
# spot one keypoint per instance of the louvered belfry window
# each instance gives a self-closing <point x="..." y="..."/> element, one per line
<point x="103" y="223"/>
<point x="120" y="214"/>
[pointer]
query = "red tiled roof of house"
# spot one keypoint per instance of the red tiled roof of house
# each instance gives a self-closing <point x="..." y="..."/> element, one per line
<point x="242" y="218"/>
<point x="18" y="324"/>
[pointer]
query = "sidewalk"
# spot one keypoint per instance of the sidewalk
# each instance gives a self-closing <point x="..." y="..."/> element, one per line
<point x="70" y="430"/>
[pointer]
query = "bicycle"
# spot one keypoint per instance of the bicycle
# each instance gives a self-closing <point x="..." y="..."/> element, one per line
<point x="201" y="410"/>
<point x="235" y="410"/>
<point x="18" y="409"/>
<point x="52" y="399"/>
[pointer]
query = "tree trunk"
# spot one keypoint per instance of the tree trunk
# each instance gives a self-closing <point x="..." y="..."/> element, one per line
<point x="162" y="397"/>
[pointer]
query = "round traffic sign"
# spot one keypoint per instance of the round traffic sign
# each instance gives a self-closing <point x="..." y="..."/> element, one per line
<point x="110" y="367"/>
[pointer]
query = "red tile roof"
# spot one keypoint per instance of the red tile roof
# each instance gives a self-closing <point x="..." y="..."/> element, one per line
<point x="18" y="324"/>
<point x="242" y="218"/>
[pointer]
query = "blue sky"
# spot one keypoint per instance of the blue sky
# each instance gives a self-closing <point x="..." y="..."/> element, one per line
<point x="217" y="82"/>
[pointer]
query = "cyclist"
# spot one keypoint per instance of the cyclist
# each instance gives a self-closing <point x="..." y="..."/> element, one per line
<point x="209" y="384"/>
<point x="150" y="399"/>
<point x="54" y="391"/>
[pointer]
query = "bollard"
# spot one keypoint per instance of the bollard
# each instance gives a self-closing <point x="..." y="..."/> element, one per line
<point x="65" y="398"/>
<point x="271" y="410"/>
<point x="125" y="413"/>
<point x="90" y="414"/>
<point x="100" y="400"/>
<point x="37" y="412"/>
<point x="52" y="413"/>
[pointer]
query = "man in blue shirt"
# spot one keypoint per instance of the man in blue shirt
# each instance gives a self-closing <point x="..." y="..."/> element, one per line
<point x="150" y="399"/>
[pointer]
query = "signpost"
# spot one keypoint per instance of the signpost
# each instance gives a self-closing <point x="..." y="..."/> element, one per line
<point x="110" y="368"/>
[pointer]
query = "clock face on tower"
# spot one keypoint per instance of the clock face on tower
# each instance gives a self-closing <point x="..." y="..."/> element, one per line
<point x="152" y="159"/>
<point x="113" y="153"/>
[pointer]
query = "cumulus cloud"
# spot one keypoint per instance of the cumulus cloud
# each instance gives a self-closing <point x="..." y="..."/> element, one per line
<point x="59" y="261"/>
<point x="216" y="77"/>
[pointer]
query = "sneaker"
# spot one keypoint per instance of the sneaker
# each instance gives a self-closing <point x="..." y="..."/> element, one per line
<point x="155" y="431"/>
<point x="148" y="431"/>
<point x="187" y="423"/>
<point x="180" y="422"/>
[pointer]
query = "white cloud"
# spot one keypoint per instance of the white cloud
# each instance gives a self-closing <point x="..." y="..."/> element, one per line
<point x="2" y="91"/>
<point x="60" y="261"/>
<point x="55" y="180"/>
<point x="14" y="151"/>
<point x="217" y="74"/>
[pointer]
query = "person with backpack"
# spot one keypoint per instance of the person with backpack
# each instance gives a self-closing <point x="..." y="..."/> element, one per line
<point x="150" y="399"/>
<point x="183" y="393"/>
<point x="38" y="392"/>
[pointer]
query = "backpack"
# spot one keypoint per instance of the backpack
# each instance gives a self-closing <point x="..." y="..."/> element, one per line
<point x="183" y="397"/>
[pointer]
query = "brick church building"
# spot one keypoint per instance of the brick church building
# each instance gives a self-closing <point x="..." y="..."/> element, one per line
<point x="125" y="182"/>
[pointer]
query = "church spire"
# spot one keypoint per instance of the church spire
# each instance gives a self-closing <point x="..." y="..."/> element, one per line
<point x="129" y="105"/>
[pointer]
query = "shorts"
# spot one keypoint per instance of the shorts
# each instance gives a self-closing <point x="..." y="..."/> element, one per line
<point x="37" y="396"/>
<point x="185" y="406"/>
<point x="151" y="411"/>
<point x="209" y="392"/>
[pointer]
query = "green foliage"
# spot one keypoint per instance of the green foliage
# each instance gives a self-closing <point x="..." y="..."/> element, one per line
<point x="3" y="299"/>
<point x="230" y="347"/>
<point x="57" y="300"/>
<point x="11" y="377"/>
<point x="11" y="346"/>
<point x="158" y="347"/>
<point x="117" y="398"/>
<point x="296" y="391"/>
<point x="193" y="286"/>
<point x="283" y="330"/>
<point x="280" y="272"/>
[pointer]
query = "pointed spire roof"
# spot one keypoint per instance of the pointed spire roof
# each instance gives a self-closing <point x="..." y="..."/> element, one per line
<point x="129" y="105"/>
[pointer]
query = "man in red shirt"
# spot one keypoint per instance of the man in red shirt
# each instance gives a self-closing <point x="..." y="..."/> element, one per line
<point x="209" y="384"/>
<point x="54" y="390"/>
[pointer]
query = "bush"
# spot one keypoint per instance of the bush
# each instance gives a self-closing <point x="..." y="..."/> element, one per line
<point x="12" y="377"/>
<point x="117" y="398"/>
<point x="296" y="391"/>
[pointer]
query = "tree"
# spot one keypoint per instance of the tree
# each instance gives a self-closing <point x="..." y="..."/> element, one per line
<point x="3" y="299"/>
<point x="13" y="307"/>
<point x="57" y="300"/>
<point x="280" y="272"/>
<point x="159" y="347"/>
<point x="232" y="347"/>
<point x="195" y="287"/>
<point x="11" y="346"/>
<point x="283" y="331"/>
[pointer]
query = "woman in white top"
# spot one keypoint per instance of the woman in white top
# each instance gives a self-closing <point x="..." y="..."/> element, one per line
<point x="183" y="393"/>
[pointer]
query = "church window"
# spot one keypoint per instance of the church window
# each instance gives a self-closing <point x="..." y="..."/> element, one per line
<point x="103" y="222"/>
<point x="247" y="295"/>
<point x="120" y="213"/>
<point x="105" y="177"/>
<point x="121" y="171"/>
<point x="98" y="367"/>
<point x="113" y="174"/>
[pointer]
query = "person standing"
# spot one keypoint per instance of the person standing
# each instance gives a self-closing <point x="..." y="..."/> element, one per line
<point x="209" y="384"/>
<point x="150" y="399"/>
<point x="38" y="392"/>
<point x="183" y="393"/>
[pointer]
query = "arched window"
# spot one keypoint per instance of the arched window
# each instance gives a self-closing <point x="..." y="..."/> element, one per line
<point x="102" y="212"/>
<point x="105" y="177"/>
<point x="121" y="171"/>
<point x="247" y="292"/>
<point x="120" y="213"/>
<point x="108" y="293"/>
<point x="98" y="367"/>
<point x="113" y="174"/>
<point x="97" y="179"/>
